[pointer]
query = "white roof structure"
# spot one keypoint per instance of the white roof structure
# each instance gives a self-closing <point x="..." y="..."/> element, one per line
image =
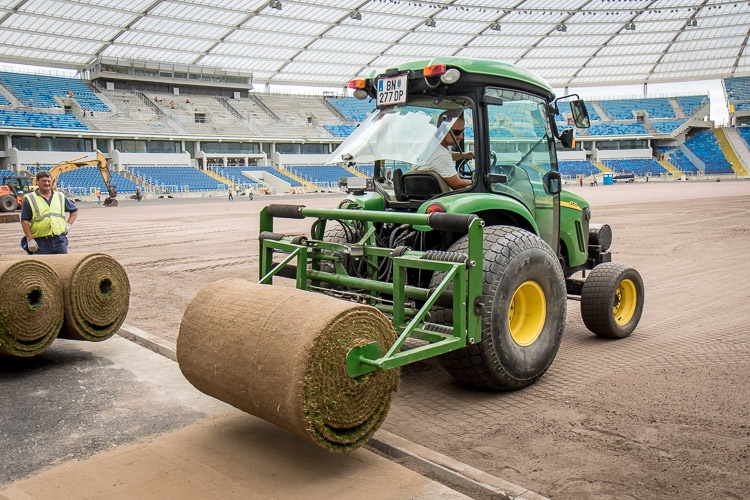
<point x="327" y="42"/>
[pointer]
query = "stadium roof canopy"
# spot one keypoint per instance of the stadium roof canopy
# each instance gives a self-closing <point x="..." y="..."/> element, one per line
<point x="574" y="43"/>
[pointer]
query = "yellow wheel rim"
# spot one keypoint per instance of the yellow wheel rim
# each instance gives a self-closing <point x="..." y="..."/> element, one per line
<point x="527" y="313"/>
<point x="626" y="298"/>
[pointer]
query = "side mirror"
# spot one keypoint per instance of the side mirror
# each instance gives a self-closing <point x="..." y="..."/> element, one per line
<point x="580" y="113"/>
<point x="568" y="138"/>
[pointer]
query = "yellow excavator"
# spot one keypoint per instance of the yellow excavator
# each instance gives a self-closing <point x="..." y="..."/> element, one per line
<point x="99" y="162"/>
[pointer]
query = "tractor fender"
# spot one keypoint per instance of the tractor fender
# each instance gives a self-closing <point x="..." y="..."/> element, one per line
<point x="477" y="203"/>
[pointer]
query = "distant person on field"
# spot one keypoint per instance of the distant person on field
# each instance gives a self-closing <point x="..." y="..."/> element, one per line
<point x="231" y="193"/>
<point x="98" y="196"/>
<point x="43" y="218"/>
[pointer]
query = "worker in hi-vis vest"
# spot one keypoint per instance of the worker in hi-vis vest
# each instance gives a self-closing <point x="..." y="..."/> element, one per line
<point x="43" y="218"/>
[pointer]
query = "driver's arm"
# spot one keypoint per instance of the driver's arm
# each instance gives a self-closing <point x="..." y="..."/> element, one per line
<point x="460" y="155"/>
<point x="455" y="182"/>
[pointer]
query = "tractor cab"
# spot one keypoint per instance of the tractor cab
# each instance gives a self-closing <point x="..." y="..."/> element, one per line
<point x="507" y="147"/>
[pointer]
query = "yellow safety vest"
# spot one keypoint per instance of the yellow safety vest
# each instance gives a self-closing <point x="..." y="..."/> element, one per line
<point x="47" y="220"/>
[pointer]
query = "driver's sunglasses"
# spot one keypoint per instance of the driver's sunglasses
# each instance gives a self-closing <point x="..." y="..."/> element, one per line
<point x="459" y="131"/>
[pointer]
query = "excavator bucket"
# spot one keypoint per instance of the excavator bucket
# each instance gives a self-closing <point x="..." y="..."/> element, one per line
<point x="110" y="202"/>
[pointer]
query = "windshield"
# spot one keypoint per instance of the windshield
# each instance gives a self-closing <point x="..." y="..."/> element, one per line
<point x="404" y="134"/>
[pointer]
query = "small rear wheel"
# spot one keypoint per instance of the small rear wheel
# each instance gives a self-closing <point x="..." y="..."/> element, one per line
<point x="612" y="300"/>
<point x="523" y="315"/>
<point x="8" y="203"/>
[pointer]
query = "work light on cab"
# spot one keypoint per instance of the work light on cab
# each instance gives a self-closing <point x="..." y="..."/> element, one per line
<point x="358" y="84"/>
<point x="446" y="75"/>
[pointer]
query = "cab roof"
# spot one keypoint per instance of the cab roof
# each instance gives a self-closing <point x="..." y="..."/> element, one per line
<point x="480" y="67"/>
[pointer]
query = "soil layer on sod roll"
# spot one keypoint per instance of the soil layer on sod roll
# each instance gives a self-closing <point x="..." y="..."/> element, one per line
<point x="96" y="291"/>
<point x="31" y="307"/>
<point x="279" y="353"/>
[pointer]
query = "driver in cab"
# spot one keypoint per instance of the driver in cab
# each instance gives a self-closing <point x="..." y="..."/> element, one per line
<point x="443" y="160"/>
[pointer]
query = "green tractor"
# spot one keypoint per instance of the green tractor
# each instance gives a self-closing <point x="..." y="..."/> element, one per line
<point x="477" y="275"/>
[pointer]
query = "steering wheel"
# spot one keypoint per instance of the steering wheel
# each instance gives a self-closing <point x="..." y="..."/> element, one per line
<point x="465" y="171"/>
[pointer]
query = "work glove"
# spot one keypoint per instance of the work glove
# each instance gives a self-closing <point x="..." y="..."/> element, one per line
<point x="67" y="227"/>
<point x="33" y="246"/>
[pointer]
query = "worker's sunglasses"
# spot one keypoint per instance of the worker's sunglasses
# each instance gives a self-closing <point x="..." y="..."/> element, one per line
<point x="457" y="131"/>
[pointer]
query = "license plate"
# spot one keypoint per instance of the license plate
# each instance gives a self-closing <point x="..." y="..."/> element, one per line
<point x="392" y="90"/>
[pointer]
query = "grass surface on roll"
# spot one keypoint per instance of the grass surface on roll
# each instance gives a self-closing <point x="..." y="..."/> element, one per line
<point x="280" y="353"/>
<point x="31" y="307"/>
<point x="96" y="291"/>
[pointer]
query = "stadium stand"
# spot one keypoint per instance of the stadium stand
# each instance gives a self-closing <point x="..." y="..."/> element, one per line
<point x="745" y="134"/>
<point x="604" y="128"/>
<point x="737" y="91"/>
<point x="175" y="178"/>
<point x="705" y="146"/>
<point x="577" y="168"/>
<point x="36" y="119"/>
<point x="243" y="175"/>
<point x="623" y="109"/>
<point x="682" y="162"/>
<point x="691" y="104"/>
<point x="638" y="166"/>
<point x="275" y="172"/>
<point x="82" y="180"/>
<point x="355" y="110"/>
<point x="667" y="126"/>
<point x="273" y="116"/>
<point x="39" y="91"/>
<point x="319" y="174"/>
<point x="340" y="130"/>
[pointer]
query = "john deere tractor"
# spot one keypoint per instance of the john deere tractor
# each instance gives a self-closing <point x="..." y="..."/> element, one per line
<point x="478" y="276"/>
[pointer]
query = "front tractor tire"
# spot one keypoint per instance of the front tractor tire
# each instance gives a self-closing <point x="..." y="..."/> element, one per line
<point x="523" y="315"/>
<point x="612" y="300"/>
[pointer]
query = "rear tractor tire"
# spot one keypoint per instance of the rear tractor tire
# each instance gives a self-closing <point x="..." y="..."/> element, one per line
<point x="612" y="300"/>
<point x="8" y="203"/>
<point x="523" y="316"/>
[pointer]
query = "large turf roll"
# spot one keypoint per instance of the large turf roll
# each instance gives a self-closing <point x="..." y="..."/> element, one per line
<point x="280" y="353"/>
<point x="31" y="307"/>
<point x="96" y="292"/>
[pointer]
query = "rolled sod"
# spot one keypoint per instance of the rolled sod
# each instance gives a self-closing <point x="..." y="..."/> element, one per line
<point x="31" y="307"/>
<point x="279" y="353"/>
<point x="96" y="291"/>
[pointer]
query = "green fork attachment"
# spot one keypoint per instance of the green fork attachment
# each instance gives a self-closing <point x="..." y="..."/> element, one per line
<point x="300" y="258"/>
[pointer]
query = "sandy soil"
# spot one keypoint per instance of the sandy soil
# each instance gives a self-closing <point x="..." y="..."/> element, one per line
<point x="664" y="413"/>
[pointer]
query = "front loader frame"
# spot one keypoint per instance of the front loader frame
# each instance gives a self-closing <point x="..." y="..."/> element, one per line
<point x="408" y="305"/>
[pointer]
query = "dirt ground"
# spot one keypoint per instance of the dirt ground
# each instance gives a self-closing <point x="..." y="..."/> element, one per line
<point x="664" y="413"/>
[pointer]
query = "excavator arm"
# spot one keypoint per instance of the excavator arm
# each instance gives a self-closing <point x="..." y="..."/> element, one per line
<point x="99" y="162"/>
